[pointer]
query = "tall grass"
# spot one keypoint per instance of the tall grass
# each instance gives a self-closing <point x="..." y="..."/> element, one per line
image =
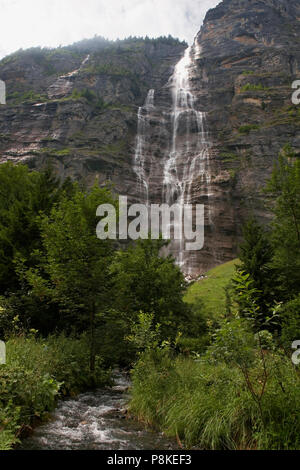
<point x="208" y="406"/>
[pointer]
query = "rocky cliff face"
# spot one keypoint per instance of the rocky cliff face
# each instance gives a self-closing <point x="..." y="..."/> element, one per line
<point x="76" y="107"/>
<point x="246" y="55"/>
<point x="206" y="131"/>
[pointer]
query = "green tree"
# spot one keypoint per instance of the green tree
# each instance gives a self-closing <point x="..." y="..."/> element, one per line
<point x="256" y="256"/>
<point x="24" y="195"/>
<point x="284" y="185"/>
<point x="75" y="267"/>
<point x="290" y="321"/>
<point x="147" y="282"/>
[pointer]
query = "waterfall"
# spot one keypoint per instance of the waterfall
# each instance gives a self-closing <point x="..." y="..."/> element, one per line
<point x="144" y="113"/>
<point x="186" y="160"/>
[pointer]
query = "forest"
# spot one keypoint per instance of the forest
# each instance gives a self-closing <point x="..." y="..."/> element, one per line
<point x="73" y="307"/>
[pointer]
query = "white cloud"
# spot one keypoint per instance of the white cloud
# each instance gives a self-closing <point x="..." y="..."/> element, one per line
<point x="27" y="23"/>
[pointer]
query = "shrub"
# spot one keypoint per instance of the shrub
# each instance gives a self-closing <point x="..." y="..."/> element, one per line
<point x="36" y="373"/>
<point x="290" y="320"/>
<point x="237" y="396"/>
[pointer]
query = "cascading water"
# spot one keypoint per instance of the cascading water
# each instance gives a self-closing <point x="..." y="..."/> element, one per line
<point x="95" y="421"/>
<point x="189" y="157"/>
<point x="139" y="158"/>
<point x="186" y="160"/>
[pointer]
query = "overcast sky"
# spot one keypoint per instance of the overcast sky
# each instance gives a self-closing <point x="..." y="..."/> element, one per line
<point x="27" y="23"/>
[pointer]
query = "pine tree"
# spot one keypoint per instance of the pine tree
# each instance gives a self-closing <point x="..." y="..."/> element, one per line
<point x="24" y="195"/>
<point x="284" y="186"/>
<point x="256" y="255"/>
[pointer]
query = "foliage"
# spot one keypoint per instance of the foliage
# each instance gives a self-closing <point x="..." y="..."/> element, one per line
<point x="143" y="334"/>
<point x="90" y="96"/>
<point x="145" y="281"/>
<point x="73" y="271"/>
<point x="254" y="275"/>
<point x="284" y="186"/>
<point x="234" y="343"/>
<point x="23" y="195"/>
<point x="290" y="322"/>
<point x="99" y="43"/>
<point x="194" y="333"/>
<point x="26" y="97"/>
<point x="255" y="253"/>
<point x="108" y="69"/>
<point x="212" y="404"/>
<point x="111" y="331"/>
<point x="36" y="373"/>
<point x="246" y="297"/>
<point x="86" y="93"/>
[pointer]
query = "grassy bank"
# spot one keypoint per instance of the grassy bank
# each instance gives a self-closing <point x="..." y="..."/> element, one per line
<point x="209" y="405"/>
<point x="37" y="372"/>
<point x="211" y="289"/>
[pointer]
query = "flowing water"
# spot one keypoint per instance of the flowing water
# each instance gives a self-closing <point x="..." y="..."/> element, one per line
<point x="144" y="115"/>
<point x="187" y="158"/>
<point x="95" y="421"/>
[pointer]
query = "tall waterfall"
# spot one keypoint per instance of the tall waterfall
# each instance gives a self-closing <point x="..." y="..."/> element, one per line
<point x="185" y="162"/>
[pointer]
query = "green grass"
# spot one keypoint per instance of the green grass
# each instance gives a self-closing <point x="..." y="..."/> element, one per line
<point x="211" y="289"/>
<point x="207" y="404"/>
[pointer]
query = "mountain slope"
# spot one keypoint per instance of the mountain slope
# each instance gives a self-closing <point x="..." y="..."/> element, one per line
<point x="77" y="107"/>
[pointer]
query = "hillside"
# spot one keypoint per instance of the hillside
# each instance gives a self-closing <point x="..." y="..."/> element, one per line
<point x="211" y="289"/>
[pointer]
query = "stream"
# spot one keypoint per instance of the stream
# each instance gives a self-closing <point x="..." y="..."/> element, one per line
<point x="96" y="421"/>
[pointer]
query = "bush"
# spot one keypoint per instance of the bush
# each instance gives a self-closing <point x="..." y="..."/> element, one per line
<point x="36" y="374"/>
<point x="290" y="319"/>
<point x="236" y="396"/>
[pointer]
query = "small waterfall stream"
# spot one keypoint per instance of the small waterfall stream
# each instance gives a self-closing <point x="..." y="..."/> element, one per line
<point x="144" y="114"/>
<point x="186" y="160"/>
